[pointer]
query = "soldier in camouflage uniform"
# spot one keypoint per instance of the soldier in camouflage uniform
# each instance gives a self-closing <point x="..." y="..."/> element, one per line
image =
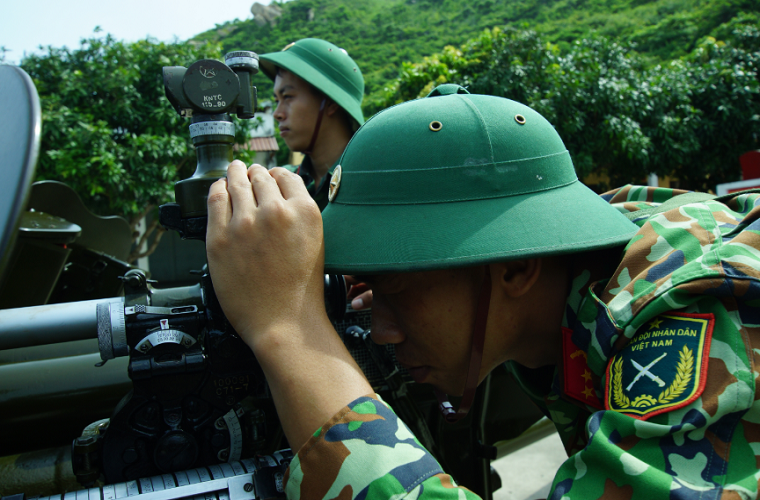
<point x="318" y="89"/>
<point x="631" y="319"/>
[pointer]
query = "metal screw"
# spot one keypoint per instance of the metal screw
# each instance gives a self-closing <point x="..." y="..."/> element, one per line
<point x="248" y="487"/>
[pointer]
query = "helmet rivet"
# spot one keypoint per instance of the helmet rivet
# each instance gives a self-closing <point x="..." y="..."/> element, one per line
<point x="335" y="183"/>
<point x="435" y="125"/>
<point x="520" y="119"/>
<point x="329" y="50"/>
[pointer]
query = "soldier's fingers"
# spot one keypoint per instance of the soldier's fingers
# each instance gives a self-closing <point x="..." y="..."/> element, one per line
<point x="239" y="187"/>
<point x="363" y="301"/>
<point x="264" y="186"/>
<point x="219" y="208"/>
<point x="291" y="185"/>
<point x="356" y="290"/>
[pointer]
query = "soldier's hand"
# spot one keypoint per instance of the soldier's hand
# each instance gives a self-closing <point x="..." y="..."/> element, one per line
<point x="266" y="259"/>
<point x="359" y="294"/>
<point x="265" y="250"/>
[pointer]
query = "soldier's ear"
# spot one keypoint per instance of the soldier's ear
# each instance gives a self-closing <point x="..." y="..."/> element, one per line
<point x="331" y="107"/>
<point x="517" y="277"/>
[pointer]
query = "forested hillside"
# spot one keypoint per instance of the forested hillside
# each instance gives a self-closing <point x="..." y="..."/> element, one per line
<point x="381" y="34"/>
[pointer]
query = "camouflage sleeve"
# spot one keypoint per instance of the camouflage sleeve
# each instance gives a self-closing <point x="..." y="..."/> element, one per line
<point x="631" y="198"/>
<point x="366" y="451"/>
<point x="635" y="202"/>
<point x="709" y="448"/>
<point x="664" y="435"/>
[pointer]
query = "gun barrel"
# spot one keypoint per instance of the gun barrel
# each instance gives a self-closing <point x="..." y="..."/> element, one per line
<point x="50" y="324"/>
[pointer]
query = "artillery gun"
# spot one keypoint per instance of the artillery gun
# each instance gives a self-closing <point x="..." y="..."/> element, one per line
<point x="110" y="383"/>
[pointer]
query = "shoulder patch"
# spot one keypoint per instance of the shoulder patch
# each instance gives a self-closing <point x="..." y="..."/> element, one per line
<point x="578" y="381"/>
<point x="662" y="368"/>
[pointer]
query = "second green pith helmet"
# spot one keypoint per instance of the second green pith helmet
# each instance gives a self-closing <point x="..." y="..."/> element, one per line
<point x="325" y="66"/>
<point x="457" y="179"/>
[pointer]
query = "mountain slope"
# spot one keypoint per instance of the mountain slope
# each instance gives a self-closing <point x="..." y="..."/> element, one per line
<point x="380" y="34"/>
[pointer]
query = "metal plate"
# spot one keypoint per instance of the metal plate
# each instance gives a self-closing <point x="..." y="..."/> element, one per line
<point x="20" y="131"/>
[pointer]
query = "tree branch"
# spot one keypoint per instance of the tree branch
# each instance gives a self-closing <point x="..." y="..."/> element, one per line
<point x="136" y="220"/>
<point x="137" y="254"/>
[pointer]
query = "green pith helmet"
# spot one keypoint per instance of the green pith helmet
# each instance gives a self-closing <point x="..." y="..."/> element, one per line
<point x="458" y="179"/>
<point x="325" y="66"/>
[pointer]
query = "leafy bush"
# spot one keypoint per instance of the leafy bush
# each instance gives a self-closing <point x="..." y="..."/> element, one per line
<point x="691" y="118"/>
<point x="108" y="130"/>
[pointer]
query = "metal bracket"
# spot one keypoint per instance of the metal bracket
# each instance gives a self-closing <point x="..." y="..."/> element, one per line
<point x="164" y="311"/>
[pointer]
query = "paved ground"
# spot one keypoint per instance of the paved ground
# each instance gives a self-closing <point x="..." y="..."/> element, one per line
<point x="527" y="474"/>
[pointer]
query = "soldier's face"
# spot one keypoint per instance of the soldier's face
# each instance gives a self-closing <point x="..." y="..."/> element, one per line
<point x="429" y="317"/>
<point x="297" y="109"/>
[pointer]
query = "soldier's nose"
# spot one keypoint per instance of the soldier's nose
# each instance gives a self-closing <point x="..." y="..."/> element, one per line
<point x="386" y="334"/>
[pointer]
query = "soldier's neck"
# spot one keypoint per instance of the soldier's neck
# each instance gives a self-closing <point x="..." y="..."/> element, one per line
<point x="331" y="142"/>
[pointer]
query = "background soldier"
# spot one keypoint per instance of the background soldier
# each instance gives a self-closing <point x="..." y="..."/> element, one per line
<point x="318" y="89"/>
<point x="464" y="214"/>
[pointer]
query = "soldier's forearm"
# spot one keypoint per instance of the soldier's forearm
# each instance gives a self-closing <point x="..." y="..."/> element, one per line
<point x="311" y="376"/>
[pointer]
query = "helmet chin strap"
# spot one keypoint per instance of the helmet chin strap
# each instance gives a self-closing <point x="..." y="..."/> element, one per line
<point x="476" y="357"/>
<point x="310" y="148"/>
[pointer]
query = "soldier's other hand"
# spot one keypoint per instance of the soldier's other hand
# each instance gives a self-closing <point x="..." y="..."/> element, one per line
<point x="265" y="250"/>
<point x="359" y="294"/>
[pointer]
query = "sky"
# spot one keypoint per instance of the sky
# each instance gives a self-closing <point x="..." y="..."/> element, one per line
<point x="27" y="24"/>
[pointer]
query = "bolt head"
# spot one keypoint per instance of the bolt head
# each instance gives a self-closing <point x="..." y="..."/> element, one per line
<point x="85" y="440"/>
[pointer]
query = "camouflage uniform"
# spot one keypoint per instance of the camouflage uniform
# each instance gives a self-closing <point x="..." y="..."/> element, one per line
<point x="684" y="299"/>
<point x="319" y="193"/>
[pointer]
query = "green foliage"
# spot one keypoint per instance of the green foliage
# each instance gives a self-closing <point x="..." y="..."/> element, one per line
<point x="382" y="34"/>
<point x="691" y="118"/>
<point x="283" y="154"/>
<point x="108" y="130"/>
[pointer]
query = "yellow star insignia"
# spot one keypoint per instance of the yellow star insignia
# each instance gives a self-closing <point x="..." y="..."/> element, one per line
<point x="578" y="353"/>
<point x="655" y="324"/>
<point x="586" y="375"/>
<point x="588" y="392"/>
